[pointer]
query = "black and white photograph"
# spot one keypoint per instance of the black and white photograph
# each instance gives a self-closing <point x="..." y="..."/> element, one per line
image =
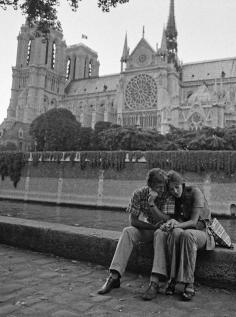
<point x="118" y="158"/>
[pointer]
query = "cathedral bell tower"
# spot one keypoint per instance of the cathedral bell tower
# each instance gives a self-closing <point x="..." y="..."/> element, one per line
<point x="39" y="75"/>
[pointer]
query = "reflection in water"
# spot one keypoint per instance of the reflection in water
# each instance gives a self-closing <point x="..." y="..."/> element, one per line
<point x="91" y="218"/>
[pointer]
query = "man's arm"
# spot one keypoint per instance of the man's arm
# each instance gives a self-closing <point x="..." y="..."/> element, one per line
<point x="135" y="222"/>
<point x="156" y="212"/>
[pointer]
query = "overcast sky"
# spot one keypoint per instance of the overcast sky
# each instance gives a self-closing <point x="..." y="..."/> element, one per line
<point x="206" y="30"/>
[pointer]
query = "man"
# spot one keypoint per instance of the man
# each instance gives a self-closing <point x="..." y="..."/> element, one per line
<point x="148" y="202"/>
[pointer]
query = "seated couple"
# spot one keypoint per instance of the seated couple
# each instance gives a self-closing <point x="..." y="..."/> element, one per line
<point x="176" y="237"/>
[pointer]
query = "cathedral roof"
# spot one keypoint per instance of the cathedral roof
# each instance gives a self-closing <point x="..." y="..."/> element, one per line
<point x="142" y="43"/>
<point x="94" y="85"/>
<point x="212" y="69"/>
<point x="81" y="46"/>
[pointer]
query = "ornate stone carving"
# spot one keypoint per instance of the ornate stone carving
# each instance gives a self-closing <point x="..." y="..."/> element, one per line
<point x="141" y="92"/>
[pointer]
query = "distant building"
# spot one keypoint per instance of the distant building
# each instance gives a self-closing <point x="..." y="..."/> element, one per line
<point x="152" y="90"/>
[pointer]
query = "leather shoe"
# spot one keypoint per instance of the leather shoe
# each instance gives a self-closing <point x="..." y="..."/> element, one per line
<point x="151" y="292"/>
<point x="109" y="285"/>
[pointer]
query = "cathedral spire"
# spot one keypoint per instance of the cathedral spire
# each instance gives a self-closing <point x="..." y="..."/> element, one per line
<point x="125" y="53"/>
<point x="143" y="31"/>
<point x="171" y="36"/>
<point x="163" y="41"/>
<point x="171" y="27"/>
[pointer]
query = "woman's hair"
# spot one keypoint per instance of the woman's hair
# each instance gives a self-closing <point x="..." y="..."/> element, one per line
<point x="156" y="176"/>
<point x="174" y="177"/>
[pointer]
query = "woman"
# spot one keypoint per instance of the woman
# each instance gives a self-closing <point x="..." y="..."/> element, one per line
<point x="181" y="237"/>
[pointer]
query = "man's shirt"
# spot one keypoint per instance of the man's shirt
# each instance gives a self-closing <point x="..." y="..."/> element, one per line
<point x="139" y="204"/>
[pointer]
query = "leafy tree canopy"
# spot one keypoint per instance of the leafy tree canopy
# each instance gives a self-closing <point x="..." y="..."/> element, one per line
<point x="85" y="139"/>
<point x="55" y="130"/>
<point x="44" y="12"/>
<point x="9" y="146"/>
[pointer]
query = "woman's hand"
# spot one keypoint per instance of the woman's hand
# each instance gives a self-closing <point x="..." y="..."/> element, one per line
<point x="169" y="225"/>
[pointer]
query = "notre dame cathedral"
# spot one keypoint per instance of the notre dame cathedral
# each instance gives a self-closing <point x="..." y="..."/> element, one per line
<point x="152" y="90"/>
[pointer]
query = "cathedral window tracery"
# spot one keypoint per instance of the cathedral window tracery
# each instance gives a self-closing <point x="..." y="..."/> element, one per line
<point x="90" y="67"/>
<point x="28" y="52"/>
<point x="68" y="66"/>
<point x="53" y="58"/>
<point x="196" y="121"/>
<point x="141" y="92"/>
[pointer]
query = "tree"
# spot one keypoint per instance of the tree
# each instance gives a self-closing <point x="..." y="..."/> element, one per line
<point x="230" y="136"/>
<point x="216" y="143"/>
<point x="131" y="139"/>
<point x="9" y="146"/>
<point x="85" y="139"/>
<point x="98" y="128"/>
<point x="55" y="130"/>
<point x="44" y="12"/>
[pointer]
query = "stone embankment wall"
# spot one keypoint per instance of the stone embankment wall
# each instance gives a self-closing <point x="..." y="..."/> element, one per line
<point x="66" y="183"/>
<point x="216" y="267"/>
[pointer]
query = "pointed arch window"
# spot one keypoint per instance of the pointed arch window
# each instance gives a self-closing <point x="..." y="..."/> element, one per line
<point x="46" y="53"/>
<point x="20" y="133"/>
<point x="68" y="66"/>
<point x="90" y="67"/>
<point x="85" y="68"/>
<point x="74" y="70"/>
<point x="53" y="59"/>
<point x="28" y="52"/>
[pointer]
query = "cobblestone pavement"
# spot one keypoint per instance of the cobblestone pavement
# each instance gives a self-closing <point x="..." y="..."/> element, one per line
<point x="34" y="284"/>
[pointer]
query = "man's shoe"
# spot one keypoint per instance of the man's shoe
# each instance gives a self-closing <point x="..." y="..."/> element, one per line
<point x="109" y="285"/>
<point x="151" y="292"/>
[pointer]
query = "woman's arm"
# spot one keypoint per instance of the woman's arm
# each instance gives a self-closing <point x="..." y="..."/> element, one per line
<point x="192" y="222"/>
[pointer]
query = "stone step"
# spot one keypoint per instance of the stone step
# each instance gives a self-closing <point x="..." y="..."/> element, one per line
<point x="217" y="267"/>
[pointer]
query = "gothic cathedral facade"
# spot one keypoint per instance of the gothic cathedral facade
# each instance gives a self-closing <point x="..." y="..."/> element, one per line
<point x="152" y="90"/>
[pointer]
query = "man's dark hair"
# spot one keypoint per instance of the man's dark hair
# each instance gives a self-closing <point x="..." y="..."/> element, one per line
<point x="156" y="176"/>
<point x="174" y="177"/>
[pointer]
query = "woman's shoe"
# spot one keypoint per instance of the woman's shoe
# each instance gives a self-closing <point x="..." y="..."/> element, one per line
<point x="170" y="290"/>
<point x="188" y="293"/>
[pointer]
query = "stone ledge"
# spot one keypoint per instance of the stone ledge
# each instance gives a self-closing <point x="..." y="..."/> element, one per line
<point x="217" y="267"/>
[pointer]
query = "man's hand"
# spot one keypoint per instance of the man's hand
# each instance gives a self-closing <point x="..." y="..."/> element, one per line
<point x="169" y="225"/>
<point x="152" y="196"/>
<point x="158" y="225"/>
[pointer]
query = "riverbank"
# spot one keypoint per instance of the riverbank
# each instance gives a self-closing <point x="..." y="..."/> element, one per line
<point x="66" y="183"/>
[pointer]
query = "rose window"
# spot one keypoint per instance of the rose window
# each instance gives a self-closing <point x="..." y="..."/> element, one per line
<point x="141" y="92"/>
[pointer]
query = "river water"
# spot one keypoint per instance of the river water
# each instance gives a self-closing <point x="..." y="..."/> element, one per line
<point x="84" y="217"/>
